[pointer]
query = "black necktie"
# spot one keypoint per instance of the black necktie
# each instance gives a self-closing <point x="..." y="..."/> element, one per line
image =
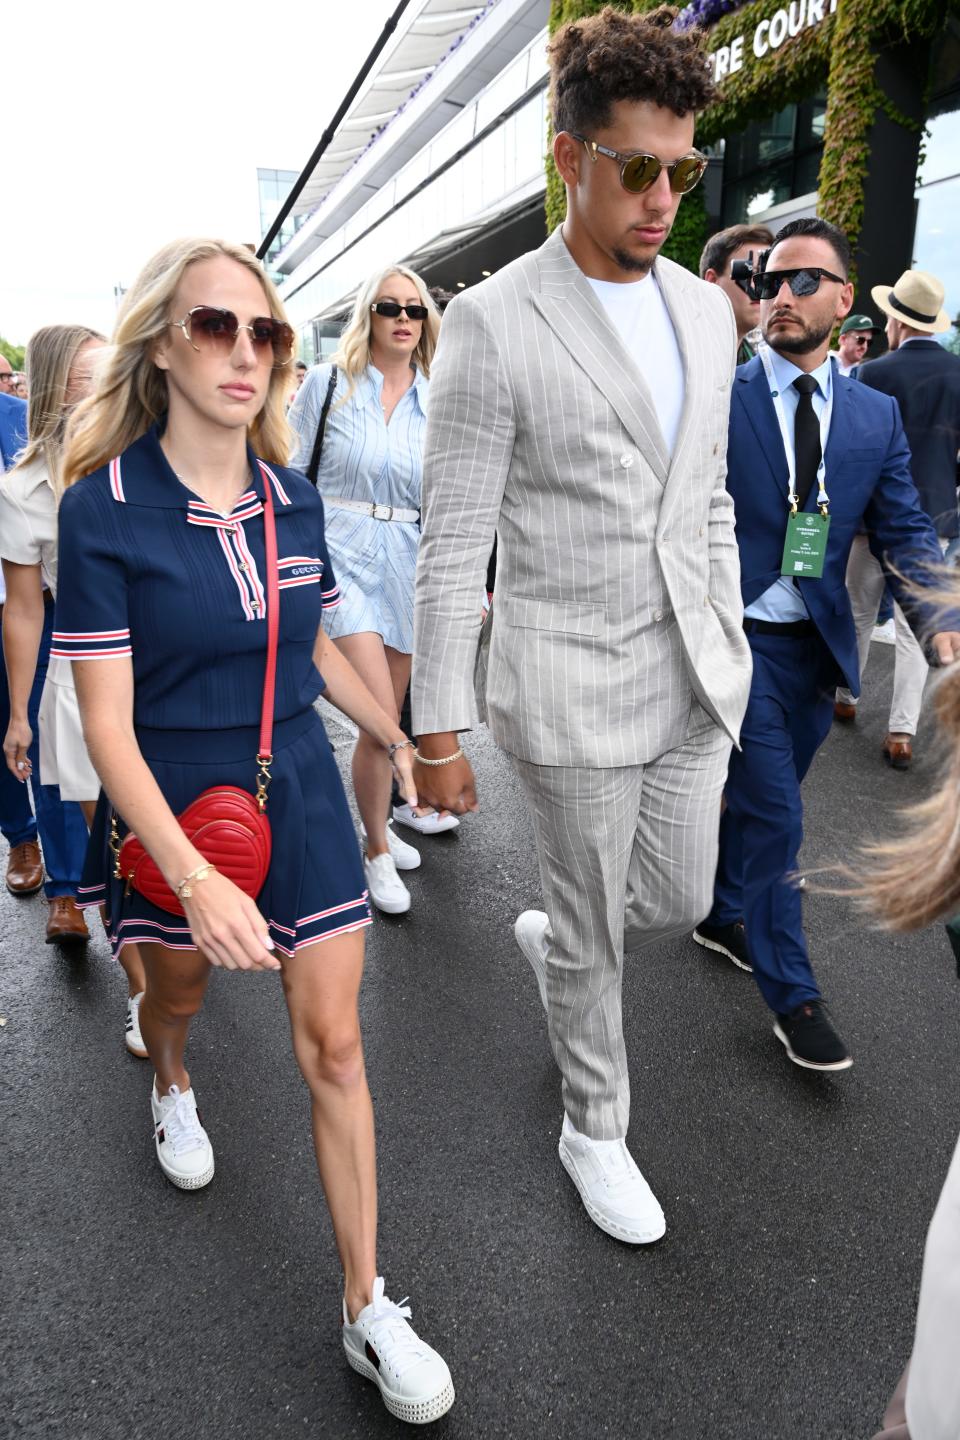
<point x="806" y="438"/>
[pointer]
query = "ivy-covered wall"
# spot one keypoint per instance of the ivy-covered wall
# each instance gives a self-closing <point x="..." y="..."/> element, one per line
<point x="839" y="52"/>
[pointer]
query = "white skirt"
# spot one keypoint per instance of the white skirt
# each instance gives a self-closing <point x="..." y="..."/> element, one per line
<point x="63" y="755"/>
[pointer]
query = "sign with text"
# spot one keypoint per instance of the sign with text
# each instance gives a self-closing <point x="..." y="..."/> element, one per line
<point x="770" y="34"/>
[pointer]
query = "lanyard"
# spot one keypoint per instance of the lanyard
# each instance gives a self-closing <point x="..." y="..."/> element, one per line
<point x="823" y="499"/>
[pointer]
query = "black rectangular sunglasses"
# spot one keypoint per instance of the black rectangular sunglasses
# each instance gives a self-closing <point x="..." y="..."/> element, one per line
<point x="766" y="285"/>
<point x="393" y="311"/>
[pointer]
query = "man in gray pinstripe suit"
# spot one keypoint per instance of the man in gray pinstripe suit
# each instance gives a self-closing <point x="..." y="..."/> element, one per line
<point x="578" y="406"/>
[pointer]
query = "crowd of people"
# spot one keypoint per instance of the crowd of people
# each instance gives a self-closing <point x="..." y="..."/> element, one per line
<point x="696" y="506"/>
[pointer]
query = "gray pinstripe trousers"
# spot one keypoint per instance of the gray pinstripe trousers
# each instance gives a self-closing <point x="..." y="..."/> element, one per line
<point x="627" y="860"/>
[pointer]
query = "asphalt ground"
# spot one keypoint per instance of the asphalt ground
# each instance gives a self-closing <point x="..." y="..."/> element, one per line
<point x="780" y="1303"/>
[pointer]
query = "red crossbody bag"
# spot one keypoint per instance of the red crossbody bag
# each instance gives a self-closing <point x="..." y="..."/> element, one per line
<point x="228" y="825"/>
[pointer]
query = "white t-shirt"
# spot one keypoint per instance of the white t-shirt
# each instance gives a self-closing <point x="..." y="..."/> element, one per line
<point x="638" y="311"/>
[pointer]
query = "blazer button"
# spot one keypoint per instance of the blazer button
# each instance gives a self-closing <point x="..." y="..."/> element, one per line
<point x="626" y="461"/>
<point x="658" y="615"/>
<point x="701" y="532"/>
<point x="716" y="448"/>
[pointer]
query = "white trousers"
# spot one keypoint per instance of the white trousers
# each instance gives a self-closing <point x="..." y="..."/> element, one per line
<point x="865" y="582"/>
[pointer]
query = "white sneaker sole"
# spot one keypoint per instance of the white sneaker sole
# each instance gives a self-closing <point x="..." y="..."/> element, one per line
<point x="414" y="1412"/>
<point x="140" y="1051"/>
<point x="389" y="907"/>
<point x="645" y="1236"/>
<point x="721" y="950"/>
<point x="843" y="1064"/>
<point x="186" y="1182"/>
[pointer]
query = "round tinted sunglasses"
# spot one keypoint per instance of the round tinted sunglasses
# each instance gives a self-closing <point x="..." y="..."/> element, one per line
<point x="212" y="331"/>
<point x="393" y="311"/>
<point x="638" y="170"/>
<point x="766" y="285"/>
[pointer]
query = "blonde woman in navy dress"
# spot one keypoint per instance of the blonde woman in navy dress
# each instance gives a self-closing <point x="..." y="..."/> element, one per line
<point x="162" y="608"/>
<point x="370" y="471"/>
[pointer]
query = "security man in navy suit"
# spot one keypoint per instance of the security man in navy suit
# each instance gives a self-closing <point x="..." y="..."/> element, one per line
<point x="811" y="456"/>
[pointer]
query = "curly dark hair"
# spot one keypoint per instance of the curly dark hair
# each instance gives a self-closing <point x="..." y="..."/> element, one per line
<point x="615" y="56"/>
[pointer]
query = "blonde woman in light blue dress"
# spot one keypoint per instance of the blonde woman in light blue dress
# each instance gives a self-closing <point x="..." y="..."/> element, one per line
<point x="370" y="471"/>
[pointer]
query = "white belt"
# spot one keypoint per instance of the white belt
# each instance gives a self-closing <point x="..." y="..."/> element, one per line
<point x="375" y="512"/>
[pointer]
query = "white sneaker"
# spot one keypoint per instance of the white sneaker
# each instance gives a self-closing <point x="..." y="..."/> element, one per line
<point x="433" y="823"/>
<point x="404" y="855"/>
<point x="413" y="1379"/>
<point x="530" y="931"/>
<point x="387" y="890"/>
<point x="183" y="1146"/>
<point x="133" y="1037"/>
<point x="614" y="1193"/>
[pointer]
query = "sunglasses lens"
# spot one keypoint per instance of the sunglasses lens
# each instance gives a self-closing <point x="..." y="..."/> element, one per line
<point x="640" y="172"/>
<point x="686" y="174"/>
<point x="416" y="312"/>
<point x="213" y="330"/>
<point x="389" y="308"/>
<point x="275" y="335"/>
<point x="805" y="282"/>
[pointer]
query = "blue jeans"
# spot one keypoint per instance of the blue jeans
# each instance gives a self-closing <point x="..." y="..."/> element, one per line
<point x="61" y="826"/>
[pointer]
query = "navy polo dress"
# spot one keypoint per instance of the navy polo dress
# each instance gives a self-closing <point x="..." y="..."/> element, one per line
<point x="147" y="570"/>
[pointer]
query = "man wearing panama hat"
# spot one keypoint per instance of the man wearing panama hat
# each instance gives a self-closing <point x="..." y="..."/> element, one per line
<point x="924" y="379"/>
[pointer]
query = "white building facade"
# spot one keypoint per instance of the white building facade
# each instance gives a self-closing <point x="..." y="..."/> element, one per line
<point x="450" y="182"/>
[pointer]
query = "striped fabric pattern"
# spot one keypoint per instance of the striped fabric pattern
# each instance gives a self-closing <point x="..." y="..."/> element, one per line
<point x="363" y="458"/>
<point x="617" y="596"/>
<point x="90" y="644"/>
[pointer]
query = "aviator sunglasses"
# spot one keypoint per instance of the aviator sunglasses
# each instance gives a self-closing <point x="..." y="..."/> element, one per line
<point x="638" y="170"/>
<point x="393" y="311"/>
<point x="214" y="332"/>
<point x="766" y="285"/>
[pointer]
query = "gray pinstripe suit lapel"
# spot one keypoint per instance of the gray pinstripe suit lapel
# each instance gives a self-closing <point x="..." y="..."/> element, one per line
<point x="682" y="302"/>
<point x="580" y="322"/>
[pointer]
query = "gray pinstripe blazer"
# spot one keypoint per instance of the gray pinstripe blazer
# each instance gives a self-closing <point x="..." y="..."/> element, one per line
<point x="618" y="599"/>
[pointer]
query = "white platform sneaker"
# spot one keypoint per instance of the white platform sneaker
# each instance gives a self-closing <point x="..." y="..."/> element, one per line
<point x="433" y="823"/>
<point x="614" y="1193"/>
<point x="132" y="1036"/>
<point x="386" y="889"/>
<point x="403" y="855"/>
<point x="531" y="935"/>
<point x="183" y="1146"/>
<point x="413" y="1379"/>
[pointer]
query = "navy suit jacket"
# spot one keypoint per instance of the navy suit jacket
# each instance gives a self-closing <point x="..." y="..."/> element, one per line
<point x="869" y="483"/>
<point x="924" y="379"/>
<point x="13" y="427"/>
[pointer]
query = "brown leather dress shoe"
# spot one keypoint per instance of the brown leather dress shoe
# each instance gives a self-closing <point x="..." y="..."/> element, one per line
<point x="843" y="712"/>
<point x="897" y="751"/>
<point x="24" y="868"/>
<point x="66" y="925"/>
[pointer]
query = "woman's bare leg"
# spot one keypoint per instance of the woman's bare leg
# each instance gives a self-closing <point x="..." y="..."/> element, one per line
<point x="372" y="771"/>
<point x="176" y="982"/>
<point x="321" y="983"/>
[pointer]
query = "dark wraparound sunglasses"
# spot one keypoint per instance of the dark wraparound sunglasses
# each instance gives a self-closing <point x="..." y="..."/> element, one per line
<point x="638" y="170"/>
<point x="214" y="332"/>
<point x="766" y="285"/>
<point x="393" y="311"/>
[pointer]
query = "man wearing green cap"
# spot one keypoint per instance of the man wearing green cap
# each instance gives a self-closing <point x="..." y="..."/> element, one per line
<point x="856" y="332"/>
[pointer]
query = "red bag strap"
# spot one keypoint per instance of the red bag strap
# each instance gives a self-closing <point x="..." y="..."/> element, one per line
<point x="265" y="754"/>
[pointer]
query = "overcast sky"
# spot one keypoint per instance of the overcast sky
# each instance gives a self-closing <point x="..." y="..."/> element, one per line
<point x="127" y="125"/>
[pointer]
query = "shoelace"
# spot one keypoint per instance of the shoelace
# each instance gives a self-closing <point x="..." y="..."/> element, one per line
<point x="618" y="1173"/>
<point x="180" y="1123"/>
<point x="390" y="1335"/>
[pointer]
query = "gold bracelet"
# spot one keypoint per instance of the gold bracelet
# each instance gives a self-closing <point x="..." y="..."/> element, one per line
<point x="202" y="872"/>
<point x="447" y="759"/>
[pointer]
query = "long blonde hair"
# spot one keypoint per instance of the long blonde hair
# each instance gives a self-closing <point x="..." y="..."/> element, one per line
<point x="131" y="393"/>
<point x="353" y="353"/>
<point x="50" y="356"/>
<point x="915" y="878"/>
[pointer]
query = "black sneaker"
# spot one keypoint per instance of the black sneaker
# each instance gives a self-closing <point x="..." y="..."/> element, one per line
<point x="810" y="1038"/>
<point x="729" y="940"/>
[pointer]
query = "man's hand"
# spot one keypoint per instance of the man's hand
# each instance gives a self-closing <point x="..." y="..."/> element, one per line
<point x="446" y="787"/>
<point x="946" y="647"/>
